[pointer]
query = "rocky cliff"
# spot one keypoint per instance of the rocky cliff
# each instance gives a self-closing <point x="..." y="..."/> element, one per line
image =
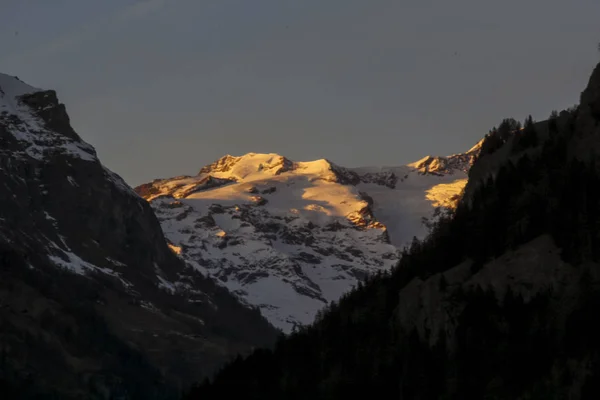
<point x="93" y="302"/>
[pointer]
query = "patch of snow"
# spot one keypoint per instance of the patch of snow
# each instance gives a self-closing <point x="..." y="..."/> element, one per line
<point x="119" y="182"/>
<point x="50" y="217"/>
<point x="79" y="150"/>
<point x="72" y="262"/>
<point x="148" y="306"/>
<point x="166" y="285"/>
<point x="175" y="249"/>
<point x="115" y="262"/>
<point x="12" y="87"/>
<point x="403" y="208"/>
<point x="72" y="181"/>
<point x="76" y="264"/>
<point x="446" y="194"/>
<point x="477" y="147"/>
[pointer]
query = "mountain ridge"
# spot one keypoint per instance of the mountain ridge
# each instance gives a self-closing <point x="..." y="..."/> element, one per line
<point x="311" y="230"/>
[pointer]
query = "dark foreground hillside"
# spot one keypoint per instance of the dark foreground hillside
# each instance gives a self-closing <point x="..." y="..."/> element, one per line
<point x="501" y="302"/>
<point x="93" y="303"/>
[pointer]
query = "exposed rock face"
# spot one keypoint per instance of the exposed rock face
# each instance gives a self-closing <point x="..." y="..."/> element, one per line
<point x="344" y="176"/>
<point x="290" y="237"/>
<point x="448" y="165"/>
<point x="87" y="279"/>
<point x="386" y="178"/>
<point x="223" y="164"/>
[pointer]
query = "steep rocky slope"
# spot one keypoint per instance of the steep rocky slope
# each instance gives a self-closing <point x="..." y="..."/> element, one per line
<point x="93" y="303"/>
<point x="500" y="302"/>
<point x="290" y="237"/>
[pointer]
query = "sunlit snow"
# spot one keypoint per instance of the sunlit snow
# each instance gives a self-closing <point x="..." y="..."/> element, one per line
<point x="290" y="237"/>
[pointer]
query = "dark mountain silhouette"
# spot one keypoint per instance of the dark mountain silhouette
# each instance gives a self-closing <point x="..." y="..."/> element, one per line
<point x="93" y="303"/>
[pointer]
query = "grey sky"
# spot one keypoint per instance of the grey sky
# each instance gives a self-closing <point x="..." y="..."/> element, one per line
<point x="163" y="87"/>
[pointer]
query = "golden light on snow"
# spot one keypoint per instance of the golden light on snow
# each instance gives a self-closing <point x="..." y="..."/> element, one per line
<point x="446" y="194"/>
<point x="268" y="202"/>
<point x="221" y="233"/>
<point x="331" y="199"/>
<point x="175" y="249"/>
<point x="316" y="207"/>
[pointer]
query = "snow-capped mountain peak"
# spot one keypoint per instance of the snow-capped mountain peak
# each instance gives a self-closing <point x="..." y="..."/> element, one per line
<point x="288" y="237"/>
<point x="476" y="148"/>
<point x="259" y="166"/>
<point x="447" y="165"/>
<point x="12" y="87"/>
<point x="39" y="123"/>
<point x="249" y="165"/>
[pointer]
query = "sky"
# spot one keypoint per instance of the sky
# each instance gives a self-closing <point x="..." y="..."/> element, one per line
<point x="164" y="87"/>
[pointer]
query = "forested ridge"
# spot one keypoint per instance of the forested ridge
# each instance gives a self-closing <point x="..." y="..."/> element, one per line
<point x="544" y="345"/>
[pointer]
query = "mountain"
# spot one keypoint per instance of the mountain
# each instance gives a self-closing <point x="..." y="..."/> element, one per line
<point x="93" y="303"/>
<point x="499" y="302"/>
<point x="291" y="237"/>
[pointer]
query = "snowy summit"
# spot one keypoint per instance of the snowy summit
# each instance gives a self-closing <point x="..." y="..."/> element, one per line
<point x="289" y="237"/>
